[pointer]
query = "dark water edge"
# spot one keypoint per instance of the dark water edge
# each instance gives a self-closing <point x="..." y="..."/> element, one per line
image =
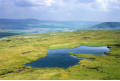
<point x="62" y="59"/>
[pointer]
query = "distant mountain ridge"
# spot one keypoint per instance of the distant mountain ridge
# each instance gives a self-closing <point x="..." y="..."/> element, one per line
<point x="32" y="23"/>
<point x="108" y="25"/>
<point x="9" y="27"/>
<point x="17" y="23"/>
<point x="25" y="21"/>
<point x="5" y="34"/>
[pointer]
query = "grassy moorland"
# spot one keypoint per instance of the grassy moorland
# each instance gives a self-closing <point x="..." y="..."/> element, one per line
<point x="16" y="51"/>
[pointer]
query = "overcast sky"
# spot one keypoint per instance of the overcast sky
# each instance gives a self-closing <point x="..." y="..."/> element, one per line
<point x="72" y="10"/>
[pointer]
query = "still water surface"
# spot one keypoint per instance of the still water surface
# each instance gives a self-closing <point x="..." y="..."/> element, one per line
<point x="61" y="58"/>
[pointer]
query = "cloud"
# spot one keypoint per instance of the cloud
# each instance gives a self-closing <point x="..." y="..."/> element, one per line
<point x="49" y="2"/>
<point x="106" y="5"/>
<point x="30" y="3"/>
<point x="61" y="9"/>
<point x="96" y="5"/>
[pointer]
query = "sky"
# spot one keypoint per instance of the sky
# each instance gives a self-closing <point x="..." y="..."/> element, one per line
<point x="61" y="10"/>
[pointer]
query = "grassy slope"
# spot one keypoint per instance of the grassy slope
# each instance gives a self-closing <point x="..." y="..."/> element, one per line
<point x="18" y="50"/>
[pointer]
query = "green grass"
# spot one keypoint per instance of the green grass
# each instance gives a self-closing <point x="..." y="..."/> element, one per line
<point x="16" y="51"/>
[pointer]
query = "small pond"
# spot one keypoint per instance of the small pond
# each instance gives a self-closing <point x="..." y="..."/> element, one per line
<point x="61" y="58"/>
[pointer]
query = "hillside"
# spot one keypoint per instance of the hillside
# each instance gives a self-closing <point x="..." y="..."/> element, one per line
<point x="108" y="25"/>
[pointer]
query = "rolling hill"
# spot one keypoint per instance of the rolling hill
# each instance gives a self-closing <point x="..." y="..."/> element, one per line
<point x="107" y="25"/>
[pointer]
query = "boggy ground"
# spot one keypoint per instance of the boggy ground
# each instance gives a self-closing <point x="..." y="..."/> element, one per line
<point x="16" y="51"/>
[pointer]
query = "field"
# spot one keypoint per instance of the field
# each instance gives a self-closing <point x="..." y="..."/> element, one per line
<point x="16" y="51"/>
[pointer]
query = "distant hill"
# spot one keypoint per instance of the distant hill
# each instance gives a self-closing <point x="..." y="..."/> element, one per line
<point x="5" y="34"/>
<point x="18" y="21"/>
<point x="108" y="25"/>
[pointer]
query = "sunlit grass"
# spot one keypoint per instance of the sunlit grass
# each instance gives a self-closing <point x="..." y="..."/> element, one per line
<point x="16" y="51"/>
